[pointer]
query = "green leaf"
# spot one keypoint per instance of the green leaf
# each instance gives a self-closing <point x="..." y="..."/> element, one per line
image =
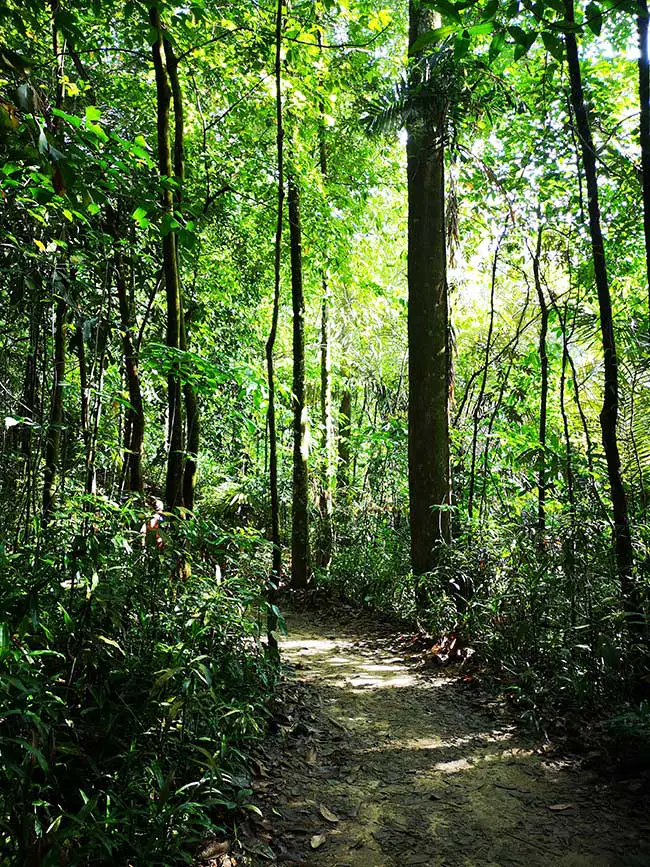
<point x="447" y="9"/>
<point x="481" y="29"/>
<point x="491" y="9"/>
<point x="594" y="18"/>
<point x="430" y="37"/>
<point x="553" y="45"/>
<point x="461" y="45"/>
<point x="92" y="113"/>
<point x="111" y="642"/>
<point x="497" y="44"/>
<point x="140" y="216"/>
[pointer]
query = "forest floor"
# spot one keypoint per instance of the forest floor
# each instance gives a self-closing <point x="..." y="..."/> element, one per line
<point x="378" y="761"/>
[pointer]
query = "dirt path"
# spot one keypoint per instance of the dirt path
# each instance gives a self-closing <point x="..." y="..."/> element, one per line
<point x="419" y="769"/>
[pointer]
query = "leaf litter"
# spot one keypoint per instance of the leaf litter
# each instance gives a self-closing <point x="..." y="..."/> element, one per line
<point x="377" y="760"/>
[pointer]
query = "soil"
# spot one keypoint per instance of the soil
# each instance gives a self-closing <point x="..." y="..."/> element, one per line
<point x="377" y="761"/>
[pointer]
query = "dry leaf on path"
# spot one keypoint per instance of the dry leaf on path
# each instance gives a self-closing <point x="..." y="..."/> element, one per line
<point x="317" y="840"/>
<point x="328" y="814"/>
<point x="560" y="808"/>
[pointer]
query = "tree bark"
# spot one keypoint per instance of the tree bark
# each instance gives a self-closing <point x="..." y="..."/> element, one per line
<point x="135" y="416"/>
<point x="326" y="534"/>
<point x="644" y="127"/>
<point x="174" y="475"/>
<point x="428" y="414"/>
<point x="276" y="561"/>
<point x="300" y="566"/>
<point x="192" y="419"/>
<point x="543" y="395"/>
<point x="345" y="431"/>
<point x="609" y="414"/>
<point x="53" y="441"/>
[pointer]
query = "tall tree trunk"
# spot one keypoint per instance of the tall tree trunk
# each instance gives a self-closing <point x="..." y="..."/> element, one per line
<point x="428" y="414"/>
<point x="135" y="417"/>
<point x="644" y="126"/>
<point x="53" y="441"/>
<point x="326" y="534"/>
<point x="192" y="421"/>
<point x="300" y="512"/>
<point x="543" y="395"/>
<point x="276" y="561"/>
<point x="478" y="407"/>
<point x="609" y="414"/>
<point x="174" y="476"/>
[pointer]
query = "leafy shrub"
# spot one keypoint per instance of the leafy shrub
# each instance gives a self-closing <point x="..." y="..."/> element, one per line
<point x="132" y="683"/>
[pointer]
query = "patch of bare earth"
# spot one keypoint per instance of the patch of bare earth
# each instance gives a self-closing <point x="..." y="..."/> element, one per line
<point x="378" y="763"/>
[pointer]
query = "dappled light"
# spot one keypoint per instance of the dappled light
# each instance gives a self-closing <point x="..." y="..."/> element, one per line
<point x="324" y="433"/>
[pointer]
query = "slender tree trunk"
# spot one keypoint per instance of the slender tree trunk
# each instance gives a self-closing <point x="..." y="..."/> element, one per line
<point x="543" y="395"/>
<point x="325" y="500"/>
<point x="276" y="562"/>
<point x="192" y="420"/>
<point x="609" y="413"/>
<point x="326" y="535"/>
<point x="135" y="417"/>
<point x="644" y="126"/>
<point x="428" y="315"/>
<point x="84" y="405"/>
<point x="478" y="407"/>
<point x="53" y="441"/>
<point x="300" y="567"/>
<point x="31" y="382"/>
<point x="174" y="477"/>
<point x="345" y="431"/>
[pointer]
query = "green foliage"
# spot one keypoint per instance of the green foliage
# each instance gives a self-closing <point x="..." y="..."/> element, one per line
<point x="132" y="689"/>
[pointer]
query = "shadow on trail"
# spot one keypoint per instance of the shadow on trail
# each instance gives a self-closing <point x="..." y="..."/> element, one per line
<point x="417" y="770"/>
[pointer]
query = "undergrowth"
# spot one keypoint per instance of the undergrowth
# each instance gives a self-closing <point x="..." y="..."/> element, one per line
<point x="132" y="685"/>
<point x="544" y="619"/>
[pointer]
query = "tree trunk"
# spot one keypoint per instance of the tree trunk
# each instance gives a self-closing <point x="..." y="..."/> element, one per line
<point x="276" y="561"/>
<point x="345" y="431"/>
<point x="192" y="421"/>
<point x="300" y="511"/>
<point x="174" y="476"/>
<point x="428" y="414"/>
<point x="326" y="534"/>
<point x="543" y="396"/>
<point x="609" y="414"/>
<point x="644" y="126"/>
<point x="135" y="417"/>
<point x="53" y="441"/>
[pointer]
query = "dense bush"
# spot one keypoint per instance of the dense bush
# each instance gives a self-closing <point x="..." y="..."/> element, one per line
<point x="132" y="682"/>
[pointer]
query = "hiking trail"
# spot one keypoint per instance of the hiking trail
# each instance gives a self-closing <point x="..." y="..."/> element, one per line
<point x="378" y="762"/>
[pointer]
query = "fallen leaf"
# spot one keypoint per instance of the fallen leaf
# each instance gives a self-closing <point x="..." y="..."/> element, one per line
<point x="212" y="848"/>
<point x="312" y="756"/>
<point x="317" y="840"/>
<point x="560" y="808"/>
<point x="328" y="814"/>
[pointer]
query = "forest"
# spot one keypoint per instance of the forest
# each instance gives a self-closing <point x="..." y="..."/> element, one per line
<point x="339" y="303"/>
